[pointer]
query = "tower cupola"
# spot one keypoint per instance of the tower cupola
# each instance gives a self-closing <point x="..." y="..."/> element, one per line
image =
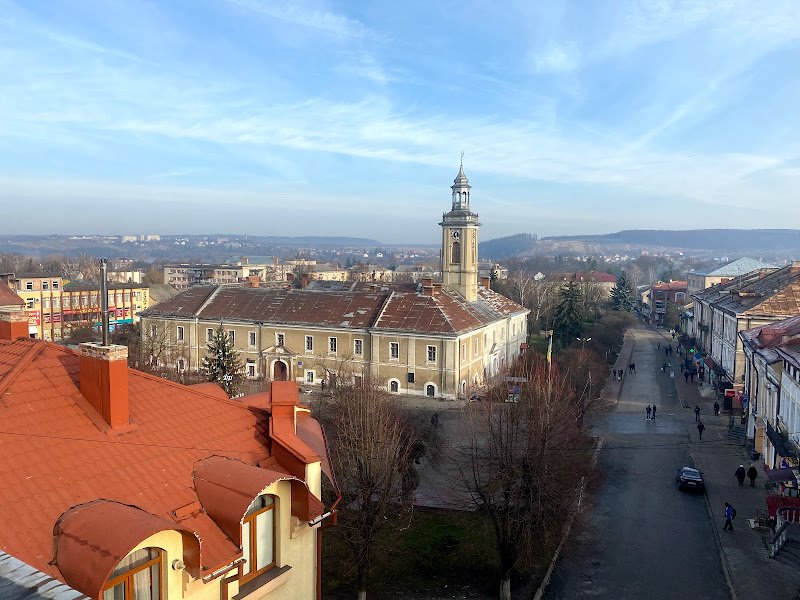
<point x="460" y="241"/>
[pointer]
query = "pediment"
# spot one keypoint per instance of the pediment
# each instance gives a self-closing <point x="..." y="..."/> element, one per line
<point x="281" y="351"/>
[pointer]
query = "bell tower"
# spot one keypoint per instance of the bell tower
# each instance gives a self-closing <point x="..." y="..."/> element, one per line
<point x="460" y="242"/>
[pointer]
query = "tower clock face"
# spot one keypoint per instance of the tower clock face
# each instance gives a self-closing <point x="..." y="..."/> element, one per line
<point x="456" y="234"/>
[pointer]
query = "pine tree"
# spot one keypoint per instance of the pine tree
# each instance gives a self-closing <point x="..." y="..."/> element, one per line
<point x="622" y="294"/>
<point x="568" y="318"/>
<point x="222" y="363"/>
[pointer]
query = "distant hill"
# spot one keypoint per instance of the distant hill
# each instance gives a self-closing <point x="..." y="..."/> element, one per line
<point x="505" y="247"/>
<point x="717" y="240"/>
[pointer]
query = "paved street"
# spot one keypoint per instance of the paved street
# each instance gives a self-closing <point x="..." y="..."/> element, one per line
<point x="642" y="537"/>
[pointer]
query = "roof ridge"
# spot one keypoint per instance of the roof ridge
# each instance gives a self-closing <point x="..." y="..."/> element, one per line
<point x="207" y="301"/>
<point x="27" y="358"/>
<point x="383" y="309"/>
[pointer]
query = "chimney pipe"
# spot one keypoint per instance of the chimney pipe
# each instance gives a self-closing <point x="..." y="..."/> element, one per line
<point x="304" y="281"/>
<point x="104" y="381"/>
<point x="104" y="298"/>
<point x="13" y="324"/>
<point x="486" y="282"/>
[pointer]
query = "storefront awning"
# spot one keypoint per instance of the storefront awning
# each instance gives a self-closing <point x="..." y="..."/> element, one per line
<point x="785" y="475"/>
<point x="780" y="442"/>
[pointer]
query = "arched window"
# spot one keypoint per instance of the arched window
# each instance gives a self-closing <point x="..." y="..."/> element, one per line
<point x="430" y="390"/>
<point x="463" y="388"/>
<point x="456" y="254"/>
<point x="137" y="576"/>
<point x="394" y="386"/>
<point x="258" y="537"/>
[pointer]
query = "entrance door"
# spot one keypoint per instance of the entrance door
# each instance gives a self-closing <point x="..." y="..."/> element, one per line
<point x="430" y="391"/>
<point x="280" y="372"/>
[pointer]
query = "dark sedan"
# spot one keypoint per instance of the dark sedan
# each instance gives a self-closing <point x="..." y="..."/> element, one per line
<point x="690" y="479"/>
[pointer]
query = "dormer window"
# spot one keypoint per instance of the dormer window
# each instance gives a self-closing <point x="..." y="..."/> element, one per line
<point x="138" y="576"/>
<point x="258" y="537"/>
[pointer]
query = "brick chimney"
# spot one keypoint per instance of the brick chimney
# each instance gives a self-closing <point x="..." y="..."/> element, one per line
<point x="427" y="282"/>
<point x="303" y="281"/>
<point x="104" y="381"/>
<point x="254" y="281"/>
<point x="13" y="324"/>
<point x="486" y="282"/>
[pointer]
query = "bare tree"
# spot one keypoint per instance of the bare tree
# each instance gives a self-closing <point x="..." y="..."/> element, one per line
<point x="371" y="451"/>
<point x="522" y="463"/>
<point x="544" y="297"/>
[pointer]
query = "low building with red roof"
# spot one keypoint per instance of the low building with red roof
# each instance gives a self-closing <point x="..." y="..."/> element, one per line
<point x="117" y="482"/>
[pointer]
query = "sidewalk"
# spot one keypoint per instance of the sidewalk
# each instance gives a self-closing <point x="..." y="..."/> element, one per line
<point x="613" y="387"/>
<point x="752" y="574"/>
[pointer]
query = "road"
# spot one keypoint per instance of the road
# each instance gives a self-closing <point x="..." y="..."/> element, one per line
<point x="641" y="537"/>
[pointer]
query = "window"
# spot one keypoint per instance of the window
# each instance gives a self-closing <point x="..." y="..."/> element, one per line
<point x="45" y="285"/>
<point x="181" y="365"/>
<point x="258" y="537"/>
<point x="251" y="339"/>
<point x="279" y="339"/>
<point x="431" y="354"/>
<point x="394" y="350"/>
<point x="430" y="390"/>
<point x="57" y="303"/>
<point x="332" y="345"/>
<point x="394" y="386"/>
<point x="232" y="336"/>
<point x="463" y="351"/>
<point x="180" y="333"/>
<point x="137" y="576"/>
<point x="309" y="343"/>
<point x="55" y="285"/>
<point x="456" y="254"/>
<point x="153" y="331"/>
<point x="310" y="376"/>
<point x="45" y="302"/>
<point x="251" y="368"/>
<point x="475" y="352"/>
<point x="29" y="302"/>
<point x="358" y="347"/>
<point x="29" y="285"/>
<point x="209" y="334"/>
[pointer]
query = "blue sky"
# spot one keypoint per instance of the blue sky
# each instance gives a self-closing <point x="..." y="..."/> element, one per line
<point x="348" y="118"/>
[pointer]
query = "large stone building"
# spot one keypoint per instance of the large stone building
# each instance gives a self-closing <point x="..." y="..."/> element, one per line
<point x="702" y="279"/>
<point x="426" y="338"/>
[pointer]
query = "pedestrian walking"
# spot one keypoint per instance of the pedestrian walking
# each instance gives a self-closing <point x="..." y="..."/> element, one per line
<point x="659" y="345"/>
<point x="664" y="368"/>
<point x="630" y="368"/>
<point x="700" y="429"/>
<point x="654" y="411"/>
<point x="633" y="366"/>
<point x="648" y="410"/>
<point x="691" y="376"/>
<point x="686" y="376"/>
<point x="697" y="414"/>
<point x="730" y="513"/>
<point x="435" y="419"/>
<point x="716" y="408"/>
<point x="752" y="473"/>
<point x="740" y="475"/>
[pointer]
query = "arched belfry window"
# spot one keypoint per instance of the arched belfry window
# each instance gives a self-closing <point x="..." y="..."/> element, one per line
<point x="456" y="253"/>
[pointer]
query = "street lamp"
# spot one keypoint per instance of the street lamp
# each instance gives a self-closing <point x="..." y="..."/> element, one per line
<point x="583" y="342"/>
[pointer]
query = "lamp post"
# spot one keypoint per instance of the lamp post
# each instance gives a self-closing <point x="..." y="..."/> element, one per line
<point x="583" y="342"/>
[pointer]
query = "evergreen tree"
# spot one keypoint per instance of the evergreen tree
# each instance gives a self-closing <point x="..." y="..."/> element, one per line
<point x="568" y="318"/>
<point x="222" y="362"/>
<point x="622" y="294"/>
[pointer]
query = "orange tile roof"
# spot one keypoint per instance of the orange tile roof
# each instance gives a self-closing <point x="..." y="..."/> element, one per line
<point x="9" y="297"/>
<point x="53" y="456"/>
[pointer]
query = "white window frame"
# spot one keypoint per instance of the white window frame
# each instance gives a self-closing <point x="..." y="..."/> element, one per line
<point x="209" y="334"/>
<point x="55" y="285"/>
<point x="435" y="389"/>
<point x="179" y="333"/>
<point x="280" y="338"/>
<point x="310" y="376"/>
<point x="252" y="337"/>
<point x="309" y="343"/>
<point x="29" y="286"/>
<point x="232" y="336"/>
<point x="428" y="350"/>
<point x="389" y="386"/>
<point x="333" y="345"/>
<point x="394" y="350"/>
<point x="45" y="285"/>
<point x="356" y="342"/>
<point x="153" y="331"/>
<point x="180" y="365"/>
<point x="250" y="365"/>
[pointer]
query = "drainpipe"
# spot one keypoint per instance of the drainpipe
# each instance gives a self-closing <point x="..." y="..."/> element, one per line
<point x="104" y="298"/>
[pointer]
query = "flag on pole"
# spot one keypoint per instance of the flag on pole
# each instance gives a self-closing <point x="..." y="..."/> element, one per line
<point x="550" y="348"/>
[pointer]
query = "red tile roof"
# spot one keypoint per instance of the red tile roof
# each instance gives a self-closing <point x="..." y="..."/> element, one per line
<point x="361" y="305"/>
<point x="9" y="297"/>
<point x="678" y="286"/>
<point x="53" y="457"/>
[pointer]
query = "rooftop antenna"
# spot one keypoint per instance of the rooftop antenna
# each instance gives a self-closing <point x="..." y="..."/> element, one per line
<point x="462" y="158"/>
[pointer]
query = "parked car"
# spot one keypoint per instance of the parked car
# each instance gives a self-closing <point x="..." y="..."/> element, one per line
<point x="690" y="478"/>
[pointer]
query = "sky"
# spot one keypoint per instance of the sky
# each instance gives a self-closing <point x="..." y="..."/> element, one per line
<point x="322" y="117"/>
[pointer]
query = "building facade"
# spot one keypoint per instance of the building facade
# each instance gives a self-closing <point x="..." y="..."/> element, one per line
<point x="428" y="338"/>
<point x="700" y="280"/>
<point x="55" y="307"/>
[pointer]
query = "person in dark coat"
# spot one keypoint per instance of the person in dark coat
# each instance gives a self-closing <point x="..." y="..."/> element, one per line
<point x="740" y="474"/>
<point x="654" y="411"/>
<point x="700" y="429"/>
<point x="647" y="411"/>
<point x="751" y="475"/>
<point x="686" y="376"/>
<point x="728" y="517"/>
<point x="716" y="409"/>
<point x="697" y="413"/>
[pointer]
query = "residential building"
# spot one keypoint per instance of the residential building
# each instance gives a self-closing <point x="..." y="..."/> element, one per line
<point x="121" y="484"/>
<point x="433" y="339"/>
<point x="702" y="279"/>
<point x="126" y="276"/>
<point x="183" y="276"/>
<point x="772" y="389"/>
<point x="665" y="293"/>
<point x="54" y="307"/>
<point x="643" y="301"/>
<point x="752" y="300"/>
<point x="9" y="299"/>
